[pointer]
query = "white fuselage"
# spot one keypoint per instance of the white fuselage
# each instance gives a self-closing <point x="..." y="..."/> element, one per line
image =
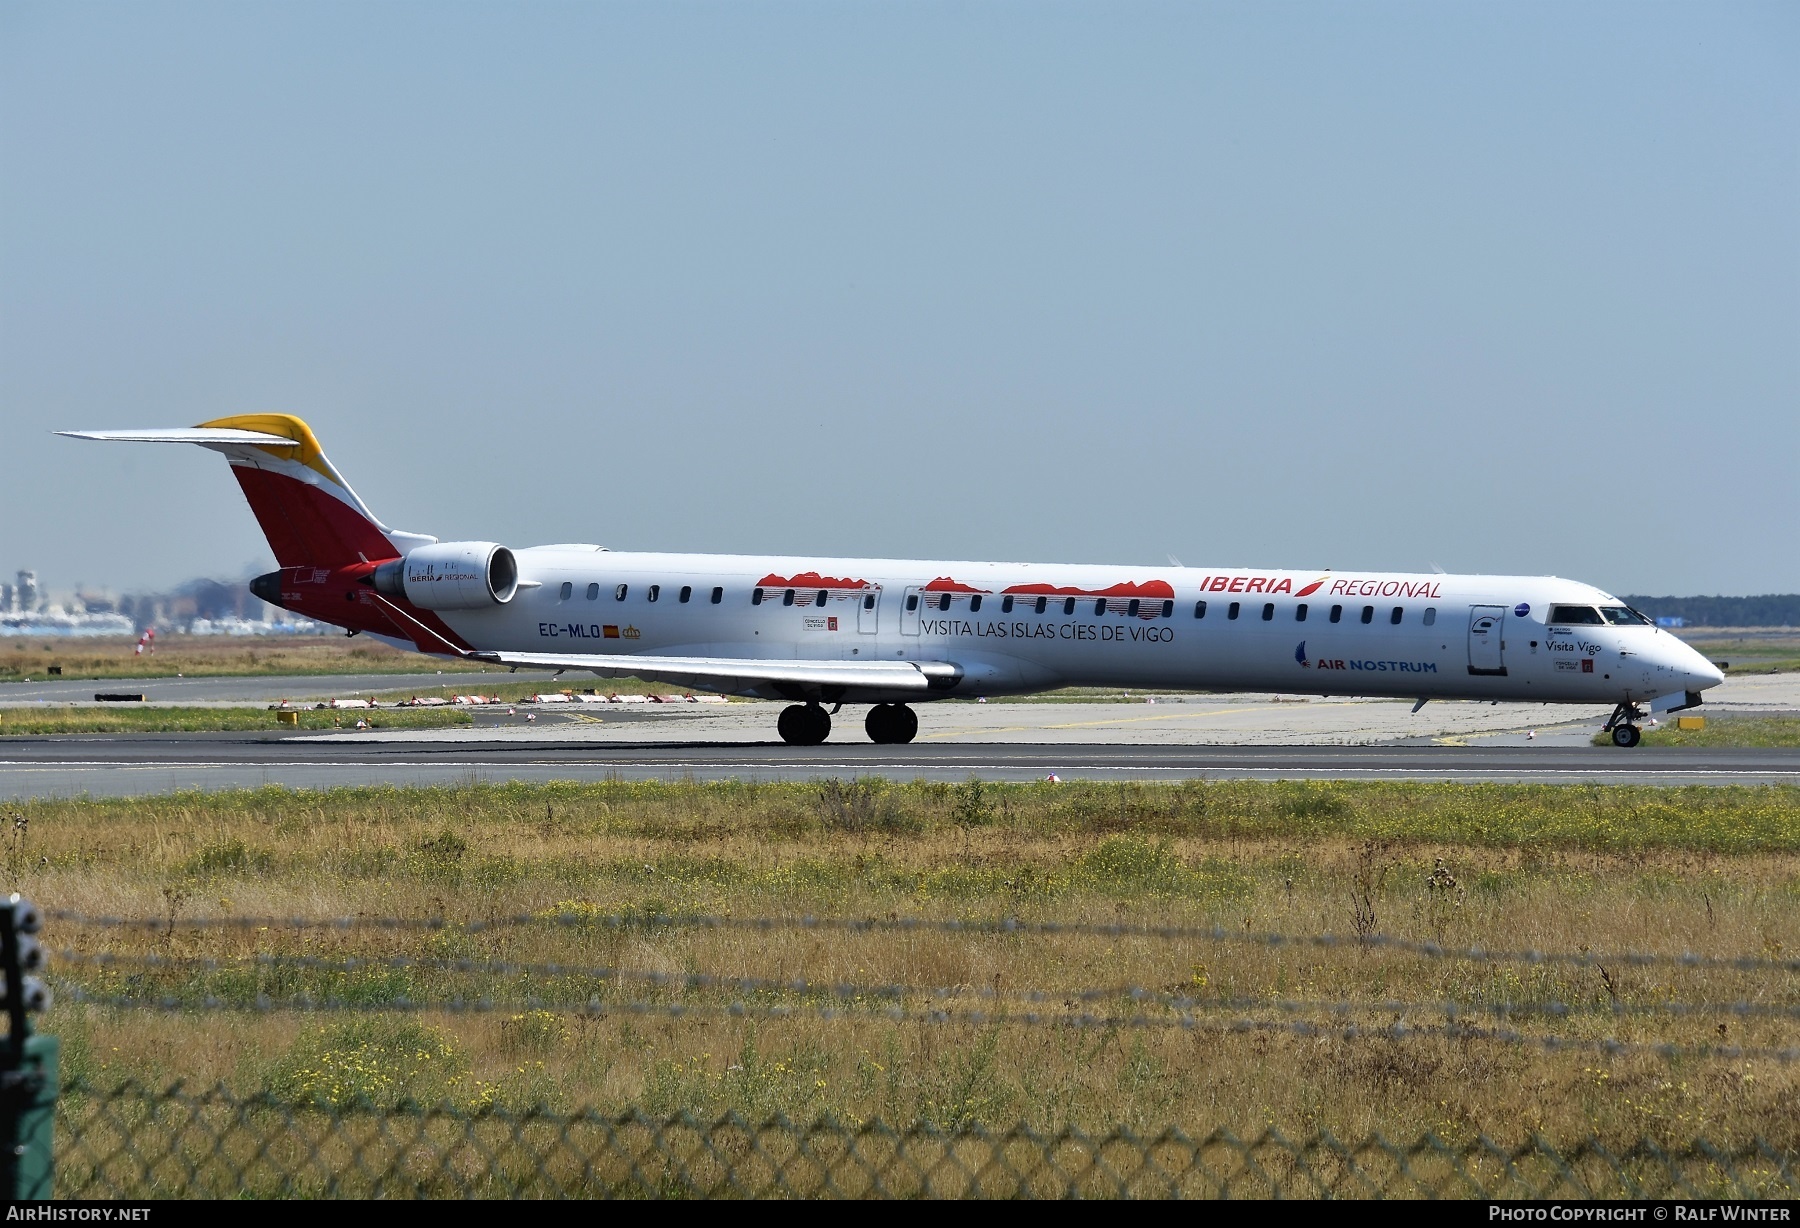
<point x="1411" y="636"/>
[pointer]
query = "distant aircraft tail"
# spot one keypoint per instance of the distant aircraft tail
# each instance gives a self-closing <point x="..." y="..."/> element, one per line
<point x="307" y="510"/>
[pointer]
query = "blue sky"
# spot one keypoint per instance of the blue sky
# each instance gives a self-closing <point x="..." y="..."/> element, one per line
<point x="1501" y="288"/>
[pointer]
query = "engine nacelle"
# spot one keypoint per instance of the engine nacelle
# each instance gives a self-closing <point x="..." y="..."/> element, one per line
<point x="451" y="576"/>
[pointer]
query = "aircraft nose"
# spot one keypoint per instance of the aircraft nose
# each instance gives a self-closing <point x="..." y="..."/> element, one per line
<point x="1700" y="672"/>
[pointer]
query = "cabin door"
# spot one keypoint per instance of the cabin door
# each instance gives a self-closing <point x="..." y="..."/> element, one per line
<point x="1486" y="623"/>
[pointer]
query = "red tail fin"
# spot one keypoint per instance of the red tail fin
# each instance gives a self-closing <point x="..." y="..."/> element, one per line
<point x="306" y="508"/>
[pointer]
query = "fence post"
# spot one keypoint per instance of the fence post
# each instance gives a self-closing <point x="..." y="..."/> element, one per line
<point x="28" y="1063"/>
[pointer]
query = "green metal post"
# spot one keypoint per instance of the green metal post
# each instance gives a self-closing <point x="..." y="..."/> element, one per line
<point x="28" y="1121"/>
<point x="28" y="1063"/>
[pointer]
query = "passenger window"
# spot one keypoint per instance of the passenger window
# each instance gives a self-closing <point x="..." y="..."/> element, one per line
<point x="1231" y="611"/>
<point x="1069" y="606"/>
<point x="755" y="596"/>
<point x="787" y="597"/>
<point x="1006" y="604"/>
<point x="1168" y="610"/>
<point x="1395" y="617"/>
<point x="1199" y="609"/>
<point x="687" y="592"/>
<point x="1337" y="613"/>
<point x="944" y="602"/>
<point x="619" y="593"/>
<point x="1300" y="612"/>
<point x="868" y="601"/>
<point x="912" y="601"/>
<point x="1099" y="607"/>
<point x="820" y="600"/>
<point x="1575" y="615"/>
<point x="719" y="595"/>
<point x="1131" y="608"/>
<point x="1268" y="611"/>
<point x="566" y="589"/>
<point x="593" y="592"/>
<point x="1368" y="614"/>
<point x="655" y="592"/>
<point x="1043" y="603"/>
<point x="1430" y="615"/>
<point x="974" y="603"/>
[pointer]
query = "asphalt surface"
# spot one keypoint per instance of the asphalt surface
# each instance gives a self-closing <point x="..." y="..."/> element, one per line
<point x="107" y="765"/>
<point x="1165" y="738"/>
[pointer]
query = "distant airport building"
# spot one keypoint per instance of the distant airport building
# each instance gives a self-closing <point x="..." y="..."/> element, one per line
<point x="198" y="607"/>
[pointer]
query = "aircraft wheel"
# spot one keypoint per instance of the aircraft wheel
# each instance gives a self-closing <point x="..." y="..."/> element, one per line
<point x="791" y="725"/>
<point x="803" y="725"/>
<point x="906" y="723"/>
<point x="879" y="724"/>
<point x="891" y="724"/>
<point x="1626" y="735"/>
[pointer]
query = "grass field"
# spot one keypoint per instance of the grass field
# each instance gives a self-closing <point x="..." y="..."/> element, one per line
<point x="603" y="868"/>
<point x="1748" y="651"/>
<point x="215" y="656"/>
<point x="17" y="722"/>
<point x="1723" y="731"/>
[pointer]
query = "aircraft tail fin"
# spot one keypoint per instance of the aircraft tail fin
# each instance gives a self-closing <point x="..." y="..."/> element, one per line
<point x="308" y="512"/>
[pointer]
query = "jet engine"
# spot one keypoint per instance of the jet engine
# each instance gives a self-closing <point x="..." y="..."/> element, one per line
<point x="451" y="576"/>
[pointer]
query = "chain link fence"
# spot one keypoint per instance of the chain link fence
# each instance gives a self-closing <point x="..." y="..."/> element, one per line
<point x="133" y="1141"/>
<point x="136" y="1141"/>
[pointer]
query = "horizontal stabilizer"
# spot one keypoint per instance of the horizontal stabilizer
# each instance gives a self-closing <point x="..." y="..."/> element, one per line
<point x="199" y="435"/>
<point x="305" y="507"/>
<point x="741" y="673"/>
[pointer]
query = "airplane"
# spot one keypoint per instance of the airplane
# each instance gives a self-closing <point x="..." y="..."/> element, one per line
<point x="892" y="633"/>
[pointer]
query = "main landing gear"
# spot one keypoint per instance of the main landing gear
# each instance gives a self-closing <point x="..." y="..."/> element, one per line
<point x="810" y="725"/>
<point x="1623" y="725"/>
<point x="891" y="724"/>
<point x="803" y="725"/>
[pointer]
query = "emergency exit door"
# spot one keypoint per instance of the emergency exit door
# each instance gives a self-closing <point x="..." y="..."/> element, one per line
<point x="909" y="612"/>
<point x="1487" y="623"/>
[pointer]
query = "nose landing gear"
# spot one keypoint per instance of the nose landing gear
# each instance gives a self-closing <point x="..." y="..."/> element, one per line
<point x="891" y="724"/>
<point x="1623" y="725"/>
<point x="803" y="725"/>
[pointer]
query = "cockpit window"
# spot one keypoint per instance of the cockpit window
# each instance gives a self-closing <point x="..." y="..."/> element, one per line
<point x="1575" y="615"/>
<point x="1624" y="616"/>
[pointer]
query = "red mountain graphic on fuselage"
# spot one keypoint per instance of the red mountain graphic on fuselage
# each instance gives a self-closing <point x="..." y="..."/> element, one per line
<point x="944" y="584"/>
<point x="1157" y="589"/>
<point x="809" y="579"/>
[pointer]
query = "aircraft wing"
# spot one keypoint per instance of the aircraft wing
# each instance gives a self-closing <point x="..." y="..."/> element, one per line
<point x="743" y="673"/>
